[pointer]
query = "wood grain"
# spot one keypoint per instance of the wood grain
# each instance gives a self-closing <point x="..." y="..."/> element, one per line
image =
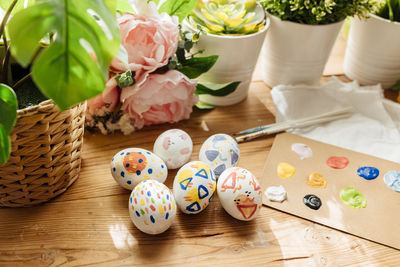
<point x="90" y="224"/>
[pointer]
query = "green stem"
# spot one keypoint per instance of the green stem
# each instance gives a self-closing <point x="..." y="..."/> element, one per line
<point x="6" y="60"/>
<point x="391" y="15"/>
<point x="6" y="16"/>
<point x="20" y="82"/>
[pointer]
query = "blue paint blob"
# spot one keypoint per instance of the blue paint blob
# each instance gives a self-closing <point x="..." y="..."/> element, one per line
<point x="128" y="182"/>
<point x="162" y="166"/>
<point x="166" y="216"/>
<point x="138" y="172"/>
<point x="167" y="197"/>
<point x="150" y="171"/>
<point x="114" y="169"/>
<point x="127" y="165"/>
<point x="392" y="180"/>
<point x="130" y="199"/>
<point x="137" y="213"/>
<point x="368" y="173"/>
<point x="140" y="160"/>
<point x="140" y="153"/>
<point x="122" y="154"/>
<point x="112" y="159"/>
<point x="128" y="153"/>
<point x="149" y="193"/>
<point x="122" y="174"/>
<point x="152" y="219"/>
<point x="148" y="153"/>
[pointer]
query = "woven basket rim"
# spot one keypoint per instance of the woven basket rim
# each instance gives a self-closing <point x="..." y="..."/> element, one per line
<point x="33" y="109"/>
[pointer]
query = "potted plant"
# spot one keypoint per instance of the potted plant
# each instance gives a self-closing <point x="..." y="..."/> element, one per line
<point x="301" y="37"/>
<point x="67" y="45"/>
<point x="234" y="30"/>
<point x="373" y="47"/>
<point x="155" y="82"/>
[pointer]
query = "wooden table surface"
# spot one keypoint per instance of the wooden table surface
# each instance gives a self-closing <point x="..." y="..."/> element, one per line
<point x="90" y="223"/>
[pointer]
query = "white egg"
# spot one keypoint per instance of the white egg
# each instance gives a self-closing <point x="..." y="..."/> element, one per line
<point x="174" y="147"/>
<point x="220" y="151"/>
<point x="133" y="165"/>
<point x="194" y="186"/>
<point x="152" y="207"/>
<point x="240" y="193"/>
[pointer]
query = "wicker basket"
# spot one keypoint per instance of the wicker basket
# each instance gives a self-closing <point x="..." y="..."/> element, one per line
<point x="46" y="154"/>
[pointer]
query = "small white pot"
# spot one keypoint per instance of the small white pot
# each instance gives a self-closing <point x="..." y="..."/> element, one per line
<point x="373" y="51"/>
<point x="295" y="53"/>
<point x="237" y="58"/>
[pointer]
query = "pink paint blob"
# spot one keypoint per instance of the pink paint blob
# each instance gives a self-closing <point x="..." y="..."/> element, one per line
<point x="185" y="150"/>
<point x="166" y="142"/>
<point x="337" y="162"/>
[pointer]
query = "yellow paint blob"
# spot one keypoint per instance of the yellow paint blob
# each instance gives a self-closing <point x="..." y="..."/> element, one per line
<point x="317" y="180"/>
<point x="285" y="170"/>
<point x="161" y="210"/>
<point x="142" y="202"/>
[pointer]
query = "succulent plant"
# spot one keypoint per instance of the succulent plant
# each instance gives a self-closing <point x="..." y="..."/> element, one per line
<point x="228" y="17"/>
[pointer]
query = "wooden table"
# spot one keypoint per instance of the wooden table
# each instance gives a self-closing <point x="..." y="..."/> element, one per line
<point x="90" y="223"/>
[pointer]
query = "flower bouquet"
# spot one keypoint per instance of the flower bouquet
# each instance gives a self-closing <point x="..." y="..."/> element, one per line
<point x="151" y="78"/>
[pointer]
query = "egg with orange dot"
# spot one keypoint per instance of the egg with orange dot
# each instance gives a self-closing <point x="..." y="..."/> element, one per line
<point x="133" y="165"/>
<point x="152" y="207"/>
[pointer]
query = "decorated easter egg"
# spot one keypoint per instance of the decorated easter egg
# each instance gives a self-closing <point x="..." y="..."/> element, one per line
<point x="240" y="193"/>
<point x="194" y="186"/>
<point x="152" y="207"/>
<point x="221" y="152"/>
<point x="174" y="147"/>
<point x="133" y="165"/>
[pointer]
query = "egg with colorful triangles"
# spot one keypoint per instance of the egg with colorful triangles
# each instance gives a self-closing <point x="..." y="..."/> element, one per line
<point x="194" y="186"/>
<point x="133" y="165"/>
<point x="152" y="207"/>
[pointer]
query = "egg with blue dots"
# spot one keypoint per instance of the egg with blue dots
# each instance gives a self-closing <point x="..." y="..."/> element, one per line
<point x="174" y="147"/>
<point x="133" y="165"/>
<point x="194" y="186"/>
<point x="221" y="152"/>
<point x="152" y="207"/>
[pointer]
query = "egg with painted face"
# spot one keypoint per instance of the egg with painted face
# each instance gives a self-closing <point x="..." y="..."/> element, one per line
<point x="152" y="207"/>
<point x="133" y="165"/>
<point x="174" y="147"/>
<point x="194" y="186"/>
<point x="240" y="193"/>
<point x="221" y="152"/>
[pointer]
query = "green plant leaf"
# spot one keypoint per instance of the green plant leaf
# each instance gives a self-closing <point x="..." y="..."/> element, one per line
<point x="180" y="8"/>
<point x="194" y="67"/>
<point x="21" y="4"/>
<point x="65" y="71"/>
<point x="214" y="89"/>
<point x="203" y="105"/>
<point x="123" y="6"/>
<point x="5" y="145"/>
<point x="8" y="108"/>
<point x="396" y="86"/>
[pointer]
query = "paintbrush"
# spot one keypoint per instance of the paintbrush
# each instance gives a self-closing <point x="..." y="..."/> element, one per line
<point x="253" y="133"/>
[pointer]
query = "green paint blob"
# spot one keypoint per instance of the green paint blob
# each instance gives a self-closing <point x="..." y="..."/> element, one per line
<point x="352" y="198"/>
<point x="142" y="211"/>
<point x="152" y="200"/>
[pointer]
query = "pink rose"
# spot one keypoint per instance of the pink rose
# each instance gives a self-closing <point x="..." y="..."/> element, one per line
<point x="161" y="98"/>
<point x="150" y="41"/>
<point x="108" y="99"/>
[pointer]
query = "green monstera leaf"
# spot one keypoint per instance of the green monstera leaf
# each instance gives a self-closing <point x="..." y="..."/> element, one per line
<point x="74" y="66"/>
<point x="8" y="117"/>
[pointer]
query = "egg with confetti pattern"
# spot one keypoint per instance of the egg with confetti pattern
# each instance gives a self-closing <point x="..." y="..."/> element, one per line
<point x="133" y="165"/>
<point x="194" y="186"/>
<point x="221" y="152"/>
<point x="152" y="207"/>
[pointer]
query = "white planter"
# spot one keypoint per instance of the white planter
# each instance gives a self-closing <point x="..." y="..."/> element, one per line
<point x="237" y="58"/>
<point x="295" y="53"/>
<point x="373" y="52"/>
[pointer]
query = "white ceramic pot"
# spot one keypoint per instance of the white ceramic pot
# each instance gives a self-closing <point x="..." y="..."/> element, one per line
<point x="373" y="51"/>
<point x="237" y="58"/>
<point x="295" y="53"/>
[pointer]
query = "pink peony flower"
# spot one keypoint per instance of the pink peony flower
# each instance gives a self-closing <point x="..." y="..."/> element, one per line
<point x="108" y="99"/>
<point x="149" y="42"/>
<point x="161" y="98"/>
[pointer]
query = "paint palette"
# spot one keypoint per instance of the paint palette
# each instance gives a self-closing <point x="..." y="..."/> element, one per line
<point x="336" y="187"/>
